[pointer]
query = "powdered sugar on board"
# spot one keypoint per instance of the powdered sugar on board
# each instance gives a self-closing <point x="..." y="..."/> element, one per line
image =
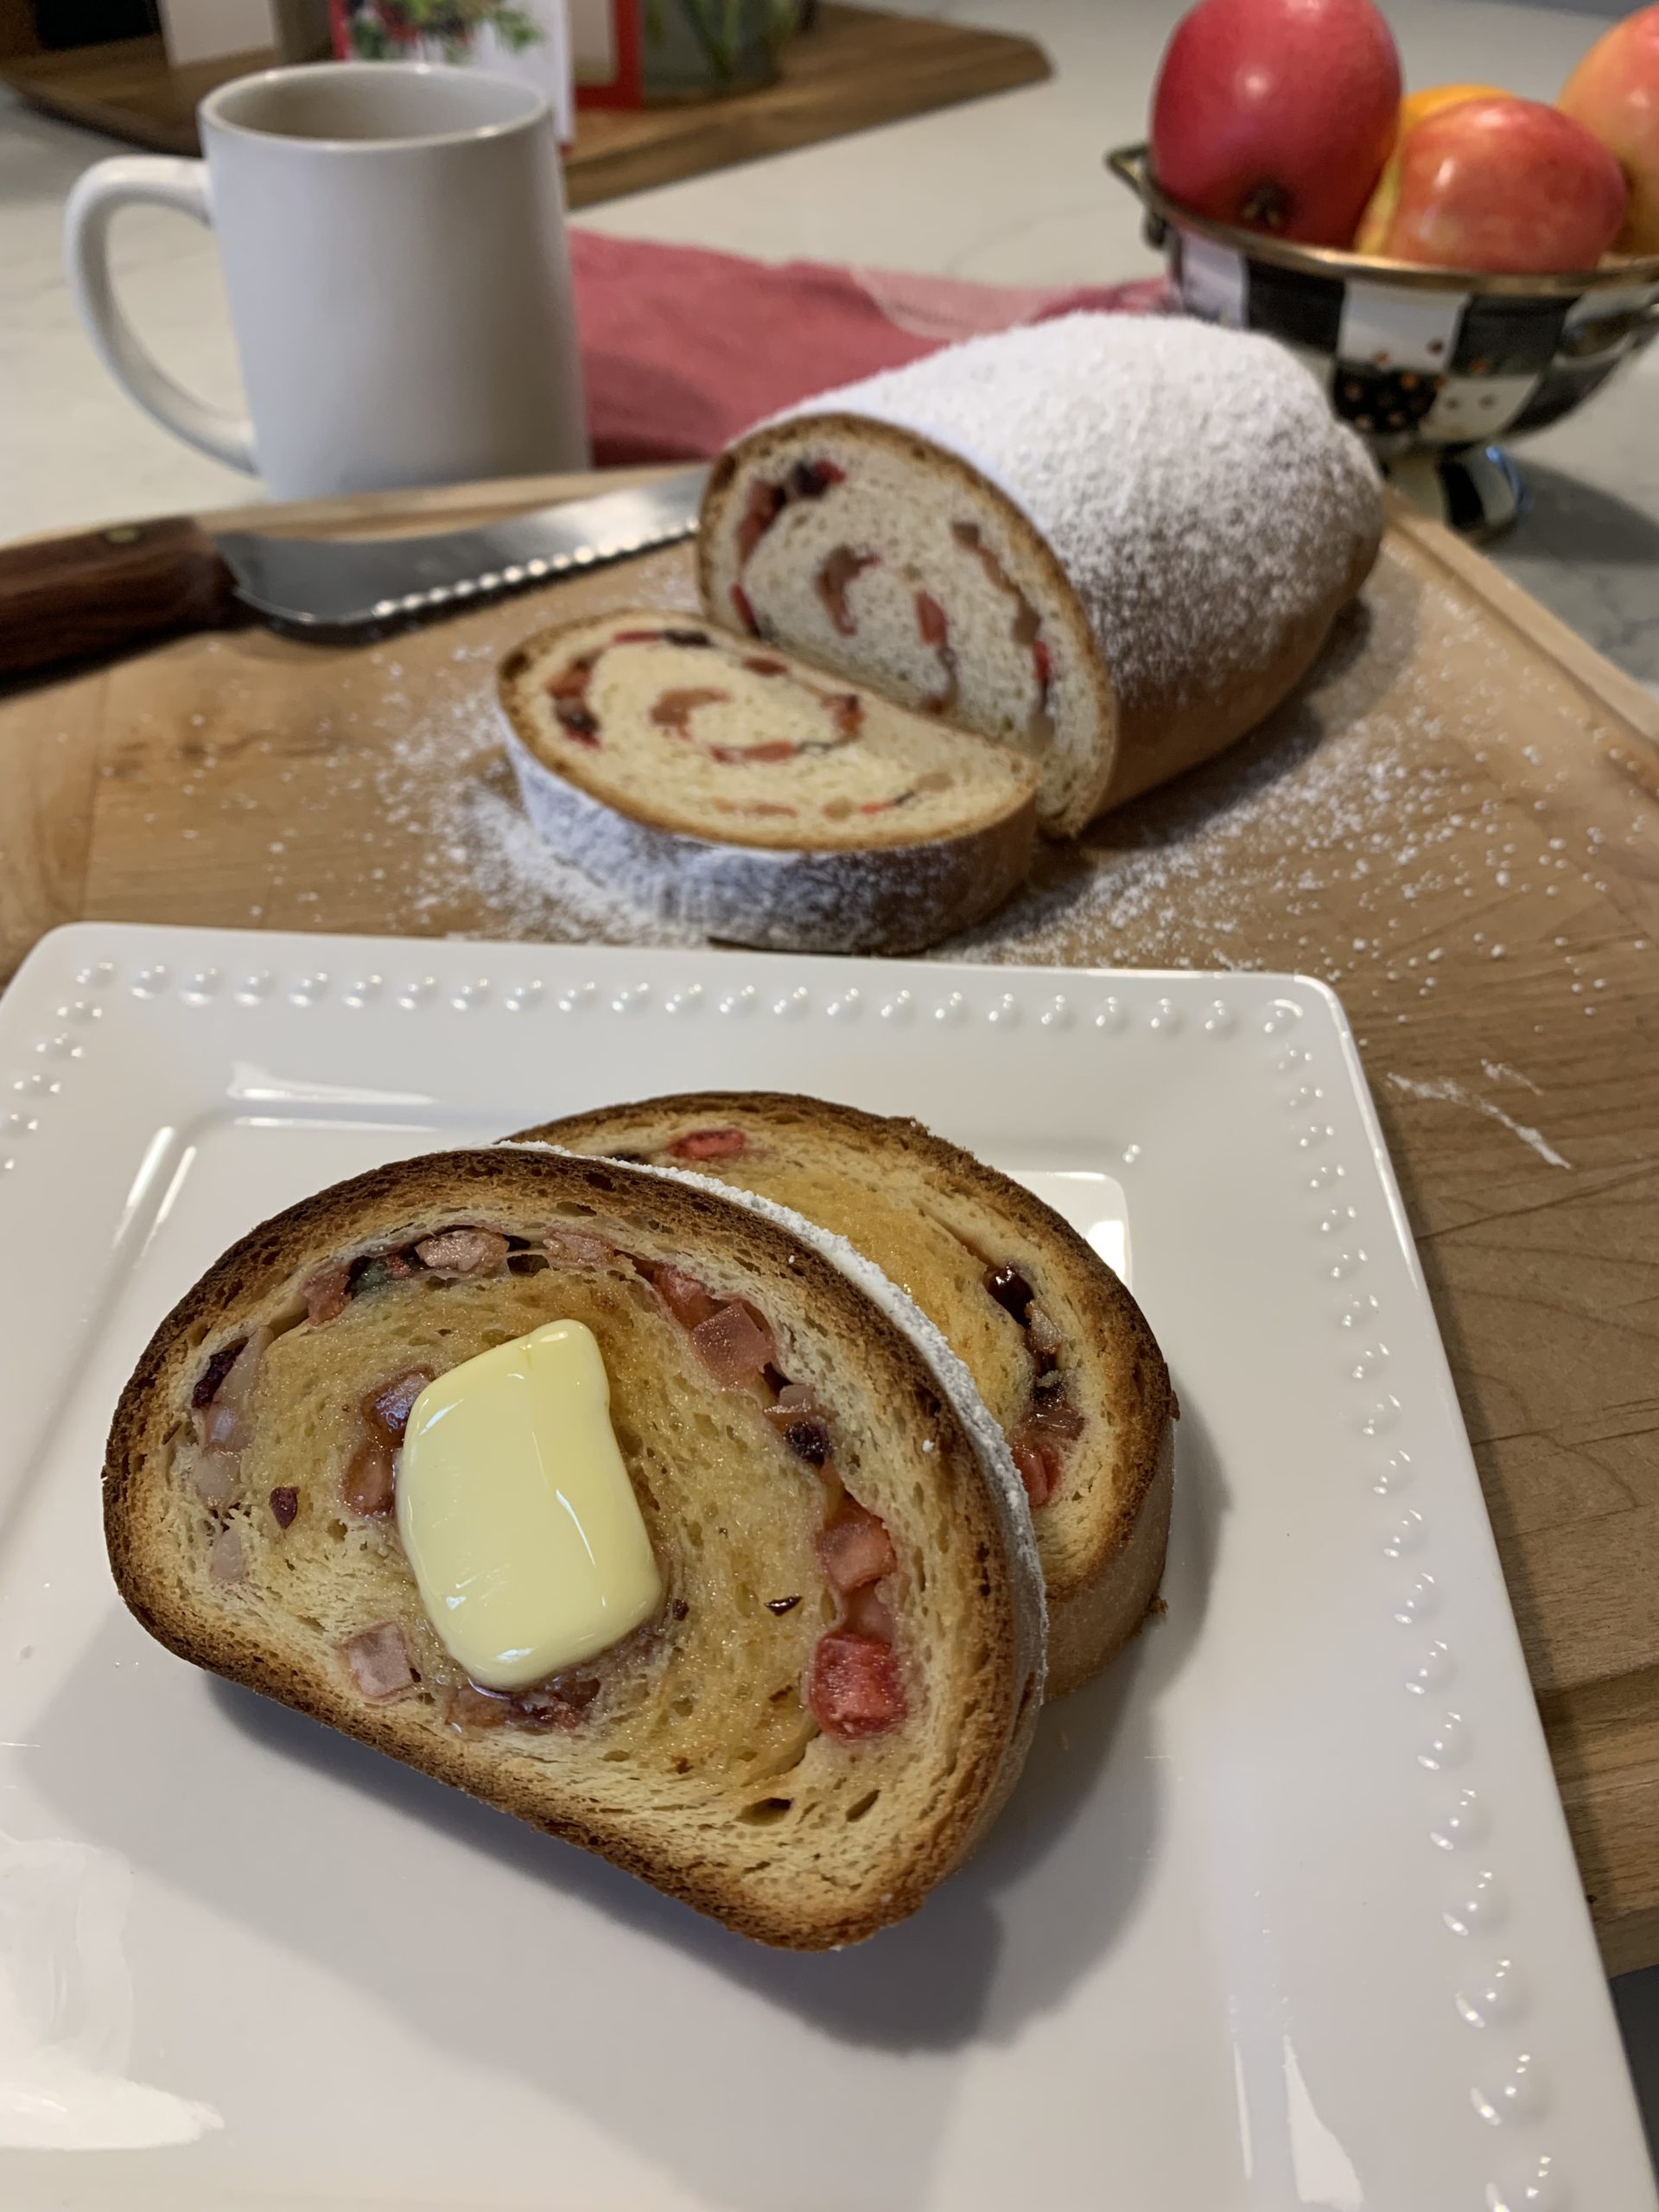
<point x="1454" y="1093"/>
<point x="1426" y="819"/>
<point x="1364" y="795"/>
<point x="446" y="782"/>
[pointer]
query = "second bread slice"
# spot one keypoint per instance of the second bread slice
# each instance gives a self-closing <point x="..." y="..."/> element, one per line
<point x="1058" y="1348"/>
<point x="741" y="793"/>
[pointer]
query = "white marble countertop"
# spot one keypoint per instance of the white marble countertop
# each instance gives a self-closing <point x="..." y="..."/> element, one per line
<point x="1009" y="189"/>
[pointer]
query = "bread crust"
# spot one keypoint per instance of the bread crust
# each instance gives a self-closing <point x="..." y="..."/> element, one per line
<point x="818" y="896"/>
<point x="261" y="1275"/>
<point x="1166" y="725"/>
<point x="1099" y="1594"/>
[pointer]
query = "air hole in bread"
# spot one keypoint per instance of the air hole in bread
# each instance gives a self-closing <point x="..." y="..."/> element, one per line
<point x="857" y="1812"/>
<point x="766" y="1812"/>
<point x="337" y="1529"/>
<point x="685" y="1707"/>
<point x="527" y="1263"/>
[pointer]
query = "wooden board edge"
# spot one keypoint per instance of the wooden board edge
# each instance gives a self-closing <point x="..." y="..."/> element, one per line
<point x="1630" y="1943"/>
<point x="797" y="111"/>
<point x="790" y="115"/>
<point x="1529" y="619"/>
<point x="84" y="114"/>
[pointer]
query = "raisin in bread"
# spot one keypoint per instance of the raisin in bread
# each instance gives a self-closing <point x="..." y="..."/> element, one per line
<point x="747" y="796"/>
<point x="1058" y="1348"/>
<point x="840" y="1684"/>
<point x="1112" y="541"/>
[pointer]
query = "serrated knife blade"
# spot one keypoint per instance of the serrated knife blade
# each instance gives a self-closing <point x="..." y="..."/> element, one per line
<point x="312" y="583"/>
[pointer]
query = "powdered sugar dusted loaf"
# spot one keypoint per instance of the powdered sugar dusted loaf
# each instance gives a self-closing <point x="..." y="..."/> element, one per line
<point x="1115" y="543"/>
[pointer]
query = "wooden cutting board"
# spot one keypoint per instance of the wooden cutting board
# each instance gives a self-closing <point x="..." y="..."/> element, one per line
<point x="856" y="68"/>
<point x="1456" y="825"/>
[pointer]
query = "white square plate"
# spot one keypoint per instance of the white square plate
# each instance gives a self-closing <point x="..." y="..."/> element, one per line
<point x="1283" y="1913"/>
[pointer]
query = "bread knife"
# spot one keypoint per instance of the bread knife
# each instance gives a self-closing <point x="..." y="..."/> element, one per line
<point x="109" y="590"/>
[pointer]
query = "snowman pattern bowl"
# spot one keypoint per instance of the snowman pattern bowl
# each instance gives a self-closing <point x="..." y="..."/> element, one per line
<point x="1430" y="365"/>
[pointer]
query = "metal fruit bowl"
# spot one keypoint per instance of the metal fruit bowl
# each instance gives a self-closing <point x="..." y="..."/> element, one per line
<point x="1431" y="365"/>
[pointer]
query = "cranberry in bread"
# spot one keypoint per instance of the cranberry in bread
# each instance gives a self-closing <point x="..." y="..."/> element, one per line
<point x="1113" y="543"/>
<point x="1058" y="1348"/>
<point x="755" y="798"/>
<point x="827" y="1674"/>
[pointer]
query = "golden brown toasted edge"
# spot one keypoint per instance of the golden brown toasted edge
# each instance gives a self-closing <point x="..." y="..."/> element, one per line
<point x="1098" y="1607"/>
<point x="757" y="445"/>
<point x="997" y="848"/>
<point x="274" y="1258"/>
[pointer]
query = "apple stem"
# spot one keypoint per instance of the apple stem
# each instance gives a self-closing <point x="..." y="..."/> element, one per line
<point x="1268" y="206"/>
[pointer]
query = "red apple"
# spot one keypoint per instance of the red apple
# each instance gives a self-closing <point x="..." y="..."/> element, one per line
<point x="1506" y="186"/>
<point x="1615" y="92"/>
<point x="1277" y="114"/>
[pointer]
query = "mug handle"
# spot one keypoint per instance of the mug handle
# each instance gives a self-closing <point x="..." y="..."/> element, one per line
<point x="157" y="182"/>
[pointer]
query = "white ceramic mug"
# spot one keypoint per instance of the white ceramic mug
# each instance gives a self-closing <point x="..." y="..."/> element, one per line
<point x="393" y="240"/>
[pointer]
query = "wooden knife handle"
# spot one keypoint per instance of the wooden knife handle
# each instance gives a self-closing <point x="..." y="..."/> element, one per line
<point x="64" y="598"/>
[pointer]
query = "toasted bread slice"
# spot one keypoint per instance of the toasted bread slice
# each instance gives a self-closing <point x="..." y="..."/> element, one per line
<point x="713" y="1751"/>
<point x="750" y="797"/>
<point x="1061" y="1354"/>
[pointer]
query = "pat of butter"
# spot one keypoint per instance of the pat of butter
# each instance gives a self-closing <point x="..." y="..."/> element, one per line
<point x="517" y="1513"/>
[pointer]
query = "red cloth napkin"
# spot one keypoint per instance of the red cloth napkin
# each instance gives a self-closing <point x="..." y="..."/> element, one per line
<point x="684" y="349"/>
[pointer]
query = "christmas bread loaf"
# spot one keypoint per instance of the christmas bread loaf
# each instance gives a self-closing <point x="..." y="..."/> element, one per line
<point x="1113" y="543"/>
<point x="749" y="796"/>
<point x="1060" y="1351"/>
<point x="829" y="1670"/>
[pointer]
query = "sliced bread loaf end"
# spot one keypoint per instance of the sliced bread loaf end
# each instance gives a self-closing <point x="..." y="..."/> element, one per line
<point x="746" y="795"/>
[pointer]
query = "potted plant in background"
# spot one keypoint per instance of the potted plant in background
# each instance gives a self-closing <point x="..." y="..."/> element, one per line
<point x="698" y="50"/>
<point x="446" y="30"/>
<point x="625" y="53"/>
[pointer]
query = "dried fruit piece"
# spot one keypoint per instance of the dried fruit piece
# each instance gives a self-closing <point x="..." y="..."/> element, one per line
<point x="219" y="1366"/>
<point x="734" y="1344"/>
<point x="379" y="1661"/>
<point x="854" y="1689"/>
<point x="837" y="572"/>
<point x="463" y="1252"/>
<point x="853" y="1548"/>
<point x="709" y="1144"/>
